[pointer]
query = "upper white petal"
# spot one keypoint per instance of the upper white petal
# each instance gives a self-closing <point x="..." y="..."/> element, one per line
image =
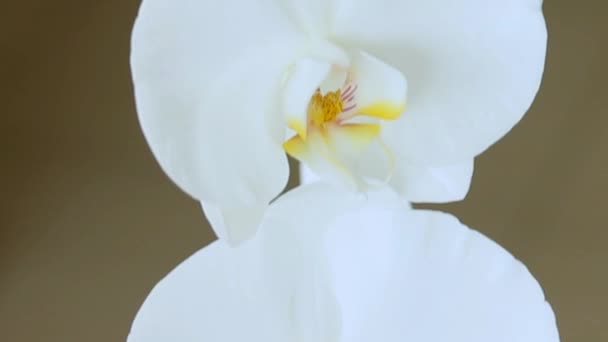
<point x="334" y="80"/>
<point x="311" y="16"/>
<point x="433" y="184"/>
<point x="206" y="78"/>
<point x="381" y="89"/>
<point x="473" y="67"/>
<point x="417" y="183"/>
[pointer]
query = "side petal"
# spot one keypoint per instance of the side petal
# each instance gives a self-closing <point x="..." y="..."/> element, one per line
<point x="312" y="16"/>
<point x="381" y="89"/>
<point x="414" y="275"/>
<point x="207" y="95"/>
<point x="433" y="184"/>
<point x="473" y="68"/>
<point x="234" y="225"/>
<point x="215" y="295"/>
<point x="304" y="79"/>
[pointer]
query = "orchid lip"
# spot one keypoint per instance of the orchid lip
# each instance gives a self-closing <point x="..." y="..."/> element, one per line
<point x="325" y="137"/>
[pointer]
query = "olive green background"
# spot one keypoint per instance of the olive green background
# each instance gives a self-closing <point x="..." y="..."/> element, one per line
<point x="89" y="223"/>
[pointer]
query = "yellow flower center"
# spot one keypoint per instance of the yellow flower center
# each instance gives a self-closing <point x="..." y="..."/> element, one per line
<point x="325" y="108"/>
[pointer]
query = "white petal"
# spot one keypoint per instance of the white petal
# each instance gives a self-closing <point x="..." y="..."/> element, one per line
<point x="381" y="89"/>
<point x="307" y="176"/>
<point x="433" y="184"/>
<point x="375" y="162"/>
<point x="413" y="275"/>
<point x="473" y="68"/>
<point x="234" y="225"/>
<point x="273" y="287"/>
<point x="312" y="16"/>
<point x="206" y="78"/>
<point x="396" y="274"/>
<point x="295" y="228"/>
<point x="218" y="294"/>
<point x="400" y="274"/>
<point x="304" y="79"/>
<point x="334" y="81"/>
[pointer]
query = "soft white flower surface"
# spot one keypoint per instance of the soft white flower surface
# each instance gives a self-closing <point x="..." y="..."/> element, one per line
<point x="350" y="268"/>
<point x="407" y="91"/>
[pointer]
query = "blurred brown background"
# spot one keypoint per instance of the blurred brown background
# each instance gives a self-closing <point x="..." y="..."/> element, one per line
<point x="88" y="222"/>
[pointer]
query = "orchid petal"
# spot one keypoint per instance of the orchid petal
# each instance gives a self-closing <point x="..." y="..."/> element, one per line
<point x="334" y="81"/>
<point x="292" y="235"/>
<point x="307" y="176"/>
<point x="206" y="95"/>
<point x="305" y="77"/>
<point x="273" y="287"/>
<point x="234" y="225"/>
<point x="334" y="152"/>
<point x="218" y="294"/>
<point x="414" y="275"/>
<point x="381" y="89"/>
<point x="334" y="265"/>
<point x="473" y="68"/>
<point x="433" y="184"/>
<point x="349" y="139"/>
<point x="312" y="16"/>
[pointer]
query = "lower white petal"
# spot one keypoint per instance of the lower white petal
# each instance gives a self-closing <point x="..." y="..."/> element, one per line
<point x="330" y="265"/>
<point x="272" y="288"/>
<point x="423" y="276"/>
<point x="218" y="294"/>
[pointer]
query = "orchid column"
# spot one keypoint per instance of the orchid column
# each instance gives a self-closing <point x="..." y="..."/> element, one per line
<point x="386" y="103"/>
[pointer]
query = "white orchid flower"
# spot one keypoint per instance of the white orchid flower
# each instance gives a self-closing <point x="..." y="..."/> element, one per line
<point x="225" y="88"/>
<point x="357" y="269"/>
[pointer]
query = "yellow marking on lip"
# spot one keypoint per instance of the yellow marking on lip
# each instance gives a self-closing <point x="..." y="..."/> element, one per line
<point x="358" y="135"/>
<point x="296" y="147"/>
<point x="298" y="126"/>
<point x="383" y="110"/>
